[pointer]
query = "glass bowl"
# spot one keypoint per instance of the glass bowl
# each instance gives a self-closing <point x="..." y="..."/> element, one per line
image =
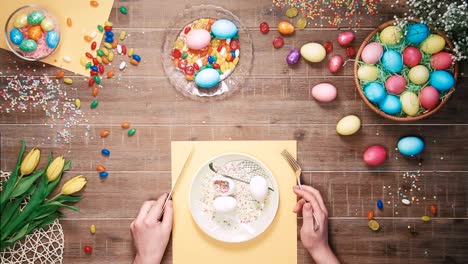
<point x="225" y="87"/>
<point x="43" y="50"/>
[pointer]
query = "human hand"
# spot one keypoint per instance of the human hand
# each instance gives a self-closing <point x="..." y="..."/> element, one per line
<point x="315" y="241"/>
<point x="151" y="236"/>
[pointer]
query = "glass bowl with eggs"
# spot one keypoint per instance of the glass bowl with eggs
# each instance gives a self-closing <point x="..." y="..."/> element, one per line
<point x="405" y="71"/>
<point x="32" y="32"/>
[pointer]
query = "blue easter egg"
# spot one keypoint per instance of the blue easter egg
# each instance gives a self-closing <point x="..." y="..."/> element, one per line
<point x="410" y="146"/>
<point x="52" y="39"/>
<point x="16" y="36"/>
<point x="207" y="78"/>
<point x="441" y="80"/>
<point x="390" y="104"/>
<point x="224" y="29"/>
<point x="416" y="33"/>
<point x="392" y="61"/>
<point x="375" y="92"/>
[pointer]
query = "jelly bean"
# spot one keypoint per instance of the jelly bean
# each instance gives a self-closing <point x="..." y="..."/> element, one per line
<point x="122" y="65"/>
<point x="108" y="24"/>
<point x="123" y="34"/>
<point x="124" y="49"/>
<point x="93" y="45"/>
<point x="35" y="17"/>
<point x="105" y="152"/>
<point x="97" y="79"/>
<point x="189" y="77"/>
<point x="187" y="30"/>
<point x="100" y="28"/>
<point x="130" y="52"/>
<point x="89" y="55"/>
<point x="278" y="42"/>
<point x="125" y="125"/>
<point x="182" y="64"/>
<point x="108" y="28"/>
<point x="92" y="73"/>
<point x="136" y="57"/>
<point x="88" y="250"/>
<point x="189" y="70"/>
<point x="210" y="59"/>
<point x="69" y="22"/>
<point x="94" y="68"/>
<point x="83" y="61"/>
<point x="68" y="80"/>
<point x="105" y="60"/>
<point x="233" y="53"/>
<point x="123" y="10"/>
<point x="328" y="45"/>
<point x="119" y="49"/>
<point x="77" y="103"/>
<point x="28" y="45"/>
<point x="133" y="62"/>
<point x="131" y="132"/>
<point x="110" y="56"/>
<point x="433" y="209"/>
<point x="234" y="45"/>
<point x="110" y="40"/>
<point x="94" y="3"/>
<point x="264" y="28"/>
<point x="176" y="54"/>
<point x="108" y="45"/>
<point x="60" y="74"/>
<point x="88" y="65"/>
<point x="184" y="55"/>
<point x="16" y="36"/>
<point x="426" y="218"/>
<point x="99" y="60"/>
<point x="101" y="68"/>
<point x="87" y="38"/>
<point x="95" y="61"/>
<point x="91" y="82"/>
<point x="380" y="204"/>
<point x="104" y="133"/>
<point x="100" y="167"/>
<point x="196" y="66"/>
<point x="215" y="65"/>
<point x="92" y="229"/>
<point x="100" y="53"/>
<point x="94" y="103"/>
<point x="95" y="91"/>
<point x="109" y="34"/>
<point x="350" y="52"/>
<point x="370" y="215"/>
<point x="66" y="58"/>
<point x="110" y="74"/>
<point x="405" y="201"/>
<point x="93" y="34"/>
<point x="103" y="174"/>
<point x="373" y="225"/>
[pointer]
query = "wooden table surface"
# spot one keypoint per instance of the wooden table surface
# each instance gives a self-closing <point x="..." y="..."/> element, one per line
<point x="274" y="104"/>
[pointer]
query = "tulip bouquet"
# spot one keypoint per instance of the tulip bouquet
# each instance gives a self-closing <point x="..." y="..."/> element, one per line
<point x="24" y="202"/>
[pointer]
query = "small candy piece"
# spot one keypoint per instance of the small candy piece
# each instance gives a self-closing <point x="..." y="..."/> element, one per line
<point x="94" y="3"/>
<point x="108" y="23"/>
<point x="105" y="152"/>
<point x="83" y="61"/>
<point x="373" y="225"/>
<point x="328" y="45"/>
<point x="285" y="28"/>
<point x="93" y="45"/>
<point x="60" y="74"/>
<point x="125" y="125"/>
<point x="87" y="38"/>
<point x="110" y="74"/>
<point x="97" y="79"/>
<point x="278" y="42"/>
<point x="100" y="28"/>
<point x="103" y="174"/>
<point x="94" y="103"/>
<point x="88" y="250"/>
<point x="69" y="22"/>
<point x="380" y="204"/>
<point x="136" y="57"/>
<point x="104" y="133"/>
<point x="28" y="45"/>
<point x="264" y="28"/>
<point x="350" y="52"/>
<point x="122" y="65"/>
<point x="133" y="62"/>
<point x="433" y="209"/>
<point x="68" y="80"/>
<point x="130" y="52"/>
<point x="92" y="229"/>
<point x="123" y="34"/>
<point x="293" y="57"/>
<point x="67" y="59"/>
<point x="131" y="132"/>
<point x="100" y="168"/>
<point x="426" y="218"/>
<point x="123" y="10"/>
<point x="405" y="201"/>
<point x="110" y="57"/>
<point x="77" y="103"/>
<point x="95" y="92"/>
<point x="35" y="17"/>
<point x="370" y="215"/>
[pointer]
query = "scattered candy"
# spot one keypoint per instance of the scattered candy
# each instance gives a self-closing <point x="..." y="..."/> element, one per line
<point x="405" y="201"/>
<point x="69" y="22"/>
<point x="67" y="59"/>
<point x="328" y="45"/>
<point x="103" y="174"/>
<point x="105" y="152"/>
<point x="95" y="91"/>
<point x="426" y="218"/>
<point x="134" y="62"/>
<point x="100" y="168"/>
<point x="68" y="80"/>
<point x="122" y="65"/>
<point x="433" y="209"/>
<point x="131" y="132"/>
<point x="88" y="250"/>
<point x="60" y="74"/>
<point x="123" y="34"/>
<point x="370" y="215"/>
<point x="125" y="125"/>
<point x="278" y="42"/>
<point x="94" y="104"/>
<point x="77" y="103"/>
<point x="137" y="58"/>
<point x="100" y="28"/>
<point x="110" y="74"/>
<point x="104" y="133"/>
<point x="94" y="3"/>
<point x="92" y="229"/>
<point x="264" y="28"/>
<point x="380" y="204"/>
<point x="373" y="225"/>
<point x="123" y="10"/>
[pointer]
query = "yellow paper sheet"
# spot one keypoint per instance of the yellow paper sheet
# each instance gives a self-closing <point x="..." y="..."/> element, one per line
<point x="85" y="20"/>
<point x="278" y="244"/>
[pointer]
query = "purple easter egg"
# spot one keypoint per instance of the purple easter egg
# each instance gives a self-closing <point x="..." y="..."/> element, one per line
<point x="293" y="56"/>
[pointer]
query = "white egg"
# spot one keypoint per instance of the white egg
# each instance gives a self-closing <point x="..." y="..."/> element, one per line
<point x="223" y="186"/>
<point x="224" y="204"/>
<point x="258" y="188"/>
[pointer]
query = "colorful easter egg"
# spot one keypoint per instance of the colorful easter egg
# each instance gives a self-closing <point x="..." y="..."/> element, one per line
<point x="395" y="84"/>
<point x="35" y="32"/>
<point x="441" y="80"/>
<point x="409" y="103"/>
<point x="293" y="57"/>
<point x="198" y="39"/>
<point x="392" y="61"/>
<point x="390" y="35"/>
<point x="411" y="56"/>
<point x="28" y="45"/>
<point x="441" y="60"/>
<point x="324" y="92"/>
<point x="285" y="28"/>
<point x="390" y="104"/>
<point x="374" y="92"/>
<point x="433" y="44"/>
<point x="313" y="52"/>
<point x="410" y="146"/>
<point x="417" y="33"/>
<point x="418" y="74"/>
<point x="52" y="39"/>
<point x="345" y="38"/>
<point x="429" y="97"/>
<point x="224" y="29"/>
<point x="16" y="36"/>
<point x="47" y="24"/>
<point x="35" y="17"/>
<point x="368" y="73"/>
<point x="375" y="155"/>
<point x="372" y="53"/>
<point x="348" y="125"/>
<point x="20" y="21"/>
<point x="207" y="78"/>
<point x="335" y="63"/>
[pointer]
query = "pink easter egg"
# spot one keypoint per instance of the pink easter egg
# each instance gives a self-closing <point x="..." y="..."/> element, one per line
<point x="198" y="39"/>
<point x="335" y="63"/>
<point x="375" y="155"/>
<point x="372" y="53"/>
<point x="345" y="38"/>
<point x="411" y="56"/>
<point x="441" y="60"/>
<point x="395" y="84"/>
<point x="429" y="97"/>
<point x="324" y="92"/>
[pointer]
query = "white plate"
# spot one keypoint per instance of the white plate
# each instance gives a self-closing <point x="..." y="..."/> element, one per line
<point x="236" y="226"/>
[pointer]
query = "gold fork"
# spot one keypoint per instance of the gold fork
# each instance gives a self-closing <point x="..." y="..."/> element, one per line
<point x="297" y="170"/>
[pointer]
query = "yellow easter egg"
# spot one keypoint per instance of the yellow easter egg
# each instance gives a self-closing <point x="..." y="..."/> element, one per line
<point x="47" y="24"/>
<point x="409" y="103"/>
<point x="20" y="21"/>
<point x="390" y="35"/>
<point x="313" y="52"/>
<point x="419" y="74"/>
<point x="348" y="125"/>
<point x="433" y="44"/>
<point x="368" y="73"/>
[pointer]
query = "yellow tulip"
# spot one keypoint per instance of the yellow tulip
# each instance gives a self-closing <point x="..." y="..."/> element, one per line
<point x="74" y="185"/>
<point x="55" y="168"/>
<point x="30" y="161"/>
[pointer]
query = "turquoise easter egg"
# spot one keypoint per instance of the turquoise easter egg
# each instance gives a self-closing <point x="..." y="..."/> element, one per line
<point x="16" y="36"/>
<point x="375" y="92"/>
<point x="390" y="104"/>
<point x="441" y="80"/>
<point x="410" y="146"/>
<point x="392" y="61"/>
<point x="416" y="33"/>
<point x="207" y="78"/>
<point x="28" y="45"/>
<point x="224" y="29"/>
<point x="52" y="39"/>
<point x="35" y="17"/>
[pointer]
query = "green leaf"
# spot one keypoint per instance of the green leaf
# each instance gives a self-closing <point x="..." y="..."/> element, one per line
<point x="68" y="198"/>
<point x="25" y="183"/>
<point x="67" y="165"/>
<point x="20" y="234"/>
<point x="9" y="185"/>
<point x="64" y="205"/>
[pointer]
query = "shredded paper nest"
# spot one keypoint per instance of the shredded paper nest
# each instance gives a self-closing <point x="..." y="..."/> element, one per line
<point x="44" y="245"/>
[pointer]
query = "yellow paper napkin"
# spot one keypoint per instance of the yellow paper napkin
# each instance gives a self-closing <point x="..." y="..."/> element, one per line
<point x="85" y="20"/>
<point x="278" y="244"/>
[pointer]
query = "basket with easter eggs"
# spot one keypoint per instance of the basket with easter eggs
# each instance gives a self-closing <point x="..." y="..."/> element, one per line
<point x="405" y="73"/>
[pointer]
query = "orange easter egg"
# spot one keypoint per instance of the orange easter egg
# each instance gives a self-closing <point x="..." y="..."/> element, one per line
<point x="35" y="32"/>
<point x="285" y="28"/>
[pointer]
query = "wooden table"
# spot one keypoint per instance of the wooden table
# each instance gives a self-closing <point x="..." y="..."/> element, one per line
<point x="274" y="104"/>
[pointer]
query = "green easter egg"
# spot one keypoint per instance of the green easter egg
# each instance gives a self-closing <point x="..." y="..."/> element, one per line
<point x="28" y="45"/>
<point x="35" y="17"/>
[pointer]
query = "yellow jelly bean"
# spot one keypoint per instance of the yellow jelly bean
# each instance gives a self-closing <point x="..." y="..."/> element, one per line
<point x="123" y="34"/>
<point x="77" y="103"/>
<point x="98" y="58"/>
<point x="130" y="52"/>
<point x="108" y="23"/>
<point x="83" y="61"/>
<point x="92" y="229"/>
<point x="67" y="80"/>
<point x="426" y="218"/>
<point x="104" y="50"/>
<point x="110" y="57"/>
<point x="179" y="44"/>
<point x="108" y="45"/>
<point x="235" y="61"/>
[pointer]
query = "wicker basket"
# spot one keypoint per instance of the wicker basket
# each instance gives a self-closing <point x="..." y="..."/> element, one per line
<point x="380" y="112"/>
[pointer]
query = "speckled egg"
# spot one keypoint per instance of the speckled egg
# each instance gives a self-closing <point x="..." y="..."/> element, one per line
<point x="198" y="39"/>
<point x="433" y="44"/>
<point x="411" y="56"/>
<point x="390" y="104"/>
<point x="16" y="36"/>
<point x="418" y="74"/>
<point x="20" y="21"/>
<point x="417" y="33"/>
<point x="28" y="45"/>
<point x="313" y="52"/>
<point x="374" y="92"/>
<point x="429" y="97"/>
<point x="35" y="17"/>
<point x="348" y="125"/>
<point x="52" y="39"/>
<point x="410" y="146"/>
<point x="442" y="80"/>
<point x="47" y="24"/>
<point x="441" y="60"/>
<point x="372" y="53"/>
<point x="368" y="73"/>
<point x="392" y="61"/>
<point x="390" y="35"/>
<point x="409" y="103"/>
<point x="395" y="84"/>
<point x="324" y="92"/>
<point x="35" y="32"/>
<point x="224" y="29"/>
<point x="207" y="78"/>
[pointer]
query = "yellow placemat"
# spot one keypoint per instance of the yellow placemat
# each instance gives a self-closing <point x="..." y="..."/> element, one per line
<point x="278" y="244"/>
<point x="85" y="20"/>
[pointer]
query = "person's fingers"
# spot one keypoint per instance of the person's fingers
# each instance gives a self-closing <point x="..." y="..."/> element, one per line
<point x="317" y="195"/>
<point x="310" y="198"/>
<point x="168" y="217"/>
<point x="144" y="210"/>
<point x="307" y="218"/>
<point x="298" y="207"/>
<point x="156" y="210"/>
